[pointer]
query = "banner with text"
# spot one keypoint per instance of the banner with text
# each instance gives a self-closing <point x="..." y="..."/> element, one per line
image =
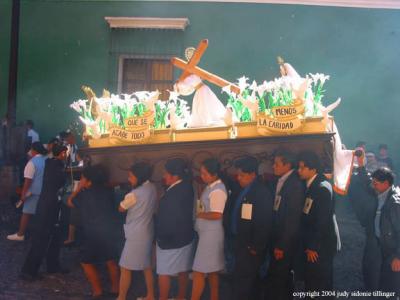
<point x="283" y="119"/>
<point x="137" y="129"/>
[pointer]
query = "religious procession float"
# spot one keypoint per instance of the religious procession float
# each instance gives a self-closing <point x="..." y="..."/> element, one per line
<point x="257" y="119"/>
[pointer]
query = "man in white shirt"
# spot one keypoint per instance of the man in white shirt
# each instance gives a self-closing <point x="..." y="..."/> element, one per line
<point x="33" y="174"/>
<point x="32" y="134"/>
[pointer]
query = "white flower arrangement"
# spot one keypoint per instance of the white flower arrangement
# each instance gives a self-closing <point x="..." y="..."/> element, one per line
<point x="282" y="91"/>
<point x="174" y="113"/>
<point x="245" y="104"/>
<point x="99" y="113"/>
<point x="317" y="83"/>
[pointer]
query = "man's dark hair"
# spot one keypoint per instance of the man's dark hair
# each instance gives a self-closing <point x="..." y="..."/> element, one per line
<point x="286" y="156"/>
<point x="383" y="174"/>
<point x="97" y="174"/>
<point x="247" y="164"/>
<point x="29" y="123"/>
<point x="142" y="171"/>
<point x="177" y="167"/>
<point x="310" y="160"/>
<point x="57" y="149"/>
<point x="39" y="148"/>
<point x="383" y="146"/>
<point x="212" y="166"/>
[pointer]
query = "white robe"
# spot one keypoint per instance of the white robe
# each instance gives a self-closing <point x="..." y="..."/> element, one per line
<point x="207" y="109"/>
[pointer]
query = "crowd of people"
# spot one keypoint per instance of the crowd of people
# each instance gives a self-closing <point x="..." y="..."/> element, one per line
<point x="376" y="203"/>
<point x="273" y="237"/>
<point x="374" y="161"/>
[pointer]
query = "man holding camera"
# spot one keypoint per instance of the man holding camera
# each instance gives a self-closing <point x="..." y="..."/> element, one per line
<point x="385" y="222"/>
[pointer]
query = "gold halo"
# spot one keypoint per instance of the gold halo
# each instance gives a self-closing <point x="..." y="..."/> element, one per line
<point x="189" y="52"/>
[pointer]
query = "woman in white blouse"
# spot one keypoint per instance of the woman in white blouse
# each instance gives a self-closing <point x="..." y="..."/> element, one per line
<point x="209" y="258"/>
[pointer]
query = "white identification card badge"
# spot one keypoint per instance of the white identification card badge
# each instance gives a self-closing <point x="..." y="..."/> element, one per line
<point x="247" y="210"/>
<point x="307" y="205"/>
<point x="277" y="202"/>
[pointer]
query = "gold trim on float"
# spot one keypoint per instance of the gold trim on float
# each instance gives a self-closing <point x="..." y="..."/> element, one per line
<point x="241" y="130"/>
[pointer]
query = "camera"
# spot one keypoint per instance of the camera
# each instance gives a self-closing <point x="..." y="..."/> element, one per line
<point x="359" y="153"/>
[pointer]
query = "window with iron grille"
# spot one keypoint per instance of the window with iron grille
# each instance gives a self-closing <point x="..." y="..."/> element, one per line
<point x="147" y="75"/>
<point x="140" y="59"/>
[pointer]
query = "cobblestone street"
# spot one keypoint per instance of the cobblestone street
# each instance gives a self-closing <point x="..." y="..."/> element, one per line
<point x="12" y="254"/>
<point x="74" y="286"/>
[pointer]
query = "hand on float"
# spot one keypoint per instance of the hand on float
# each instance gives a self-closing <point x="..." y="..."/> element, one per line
<point x="312" y="256"/>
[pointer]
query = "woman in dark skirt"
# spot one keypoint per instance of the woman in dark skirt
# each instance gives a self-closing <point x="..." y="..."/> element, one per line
<point x="101" y="229"/>
<point x="174" y="229"/>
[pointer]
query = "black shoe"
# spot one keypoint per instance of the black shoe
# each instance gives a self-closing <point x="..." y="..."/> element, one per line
<point x="29" y="277"/>
<point x="111" y="294"/>
<point x="58" y="271"/>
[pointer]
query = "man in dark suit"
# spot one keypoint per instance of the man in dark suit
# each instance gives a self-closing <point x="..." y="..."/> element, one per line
<point x="364" y="205"/>
<point x="318" y="226"/>
<point x="384" y="224"/>
<point x="287" y="211"/>
<point x="250" y="220"/>
<point x="46" y="232"/>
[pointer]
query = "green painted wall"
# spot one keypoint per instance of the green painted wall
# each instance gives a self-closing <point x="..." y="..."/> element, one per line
<point x="65" y="44"/>
<point x="5" y="27"/>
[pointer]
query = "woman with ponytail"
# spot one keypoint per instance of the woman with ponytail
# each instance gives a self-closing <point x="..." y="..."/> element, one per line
<point x="209" y="258"/>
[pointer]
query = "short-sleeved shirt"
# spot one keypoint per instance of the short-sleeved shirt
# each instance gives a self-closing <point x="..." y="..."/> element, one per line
<point x="33" y="135"/>
<point x="129" y="201"/>
<point x="34" y="170"/>
<point x="217" y="200"/>
<point x="213" y="199"/>
<point x="29" y="170"/>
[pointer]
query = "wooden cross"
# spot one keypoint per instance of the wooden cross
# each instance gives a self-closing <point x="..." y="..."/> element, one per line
<point x="192" y="68"/>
